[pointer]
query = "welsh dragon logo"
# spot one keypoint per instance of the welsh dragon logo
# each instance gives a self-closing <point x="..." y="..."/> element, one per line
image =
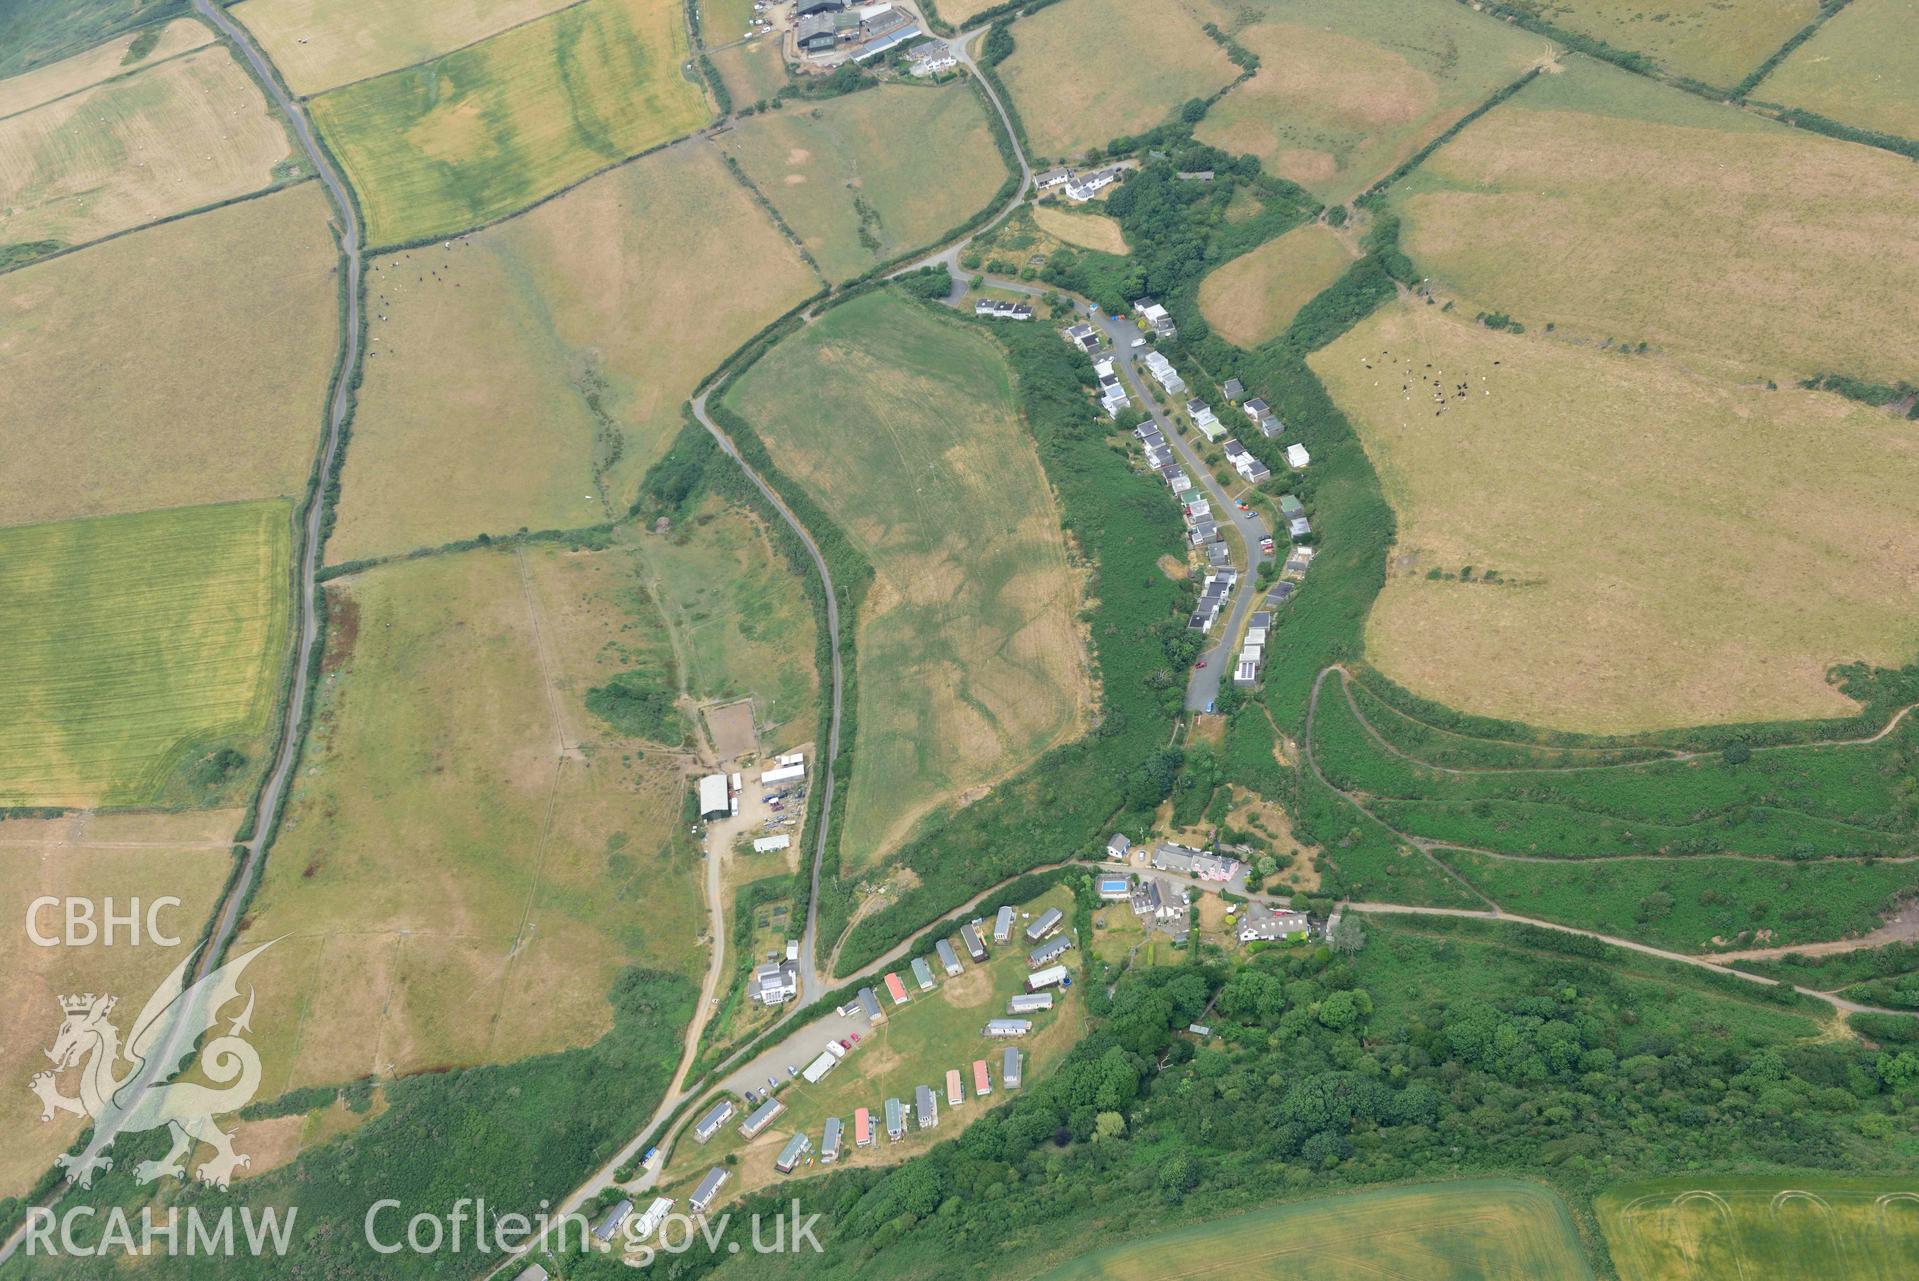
<point x="162" y="1040"/>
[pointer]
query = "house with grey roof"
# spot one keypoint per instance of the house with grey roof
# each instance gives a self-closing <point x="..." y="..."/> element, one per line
<point x="709" y="1188"/>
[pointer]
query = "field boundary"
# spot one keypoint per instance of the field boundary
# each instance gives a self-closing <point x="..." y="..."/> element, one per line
<point x="271" y="190"/>
<point x="212" y="38"/>
<point x="1828" y="10"/>
<point x="444" y="53"/>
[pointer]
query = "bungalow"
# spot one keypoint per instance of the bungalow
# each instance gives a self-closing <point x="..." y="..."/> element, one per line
<point x="1270" y="426"/>
<point x="1048" y="921"/>
<point x="1255" y="409"/>
<point x="993" y="308"/>
<point x="1049" y="951"/>
<point x="1113" y="888"/>
<point x="1299" y="527"/>
<point x="955" y="1092"/>
<point x="761" y="1118"/>
<point x="1217" y="556"/>
<point x="1030" y="1002"/>
<point x="1008" y="1027"/>
<point x="709" y="1125"/>
<point x="830" y="1141"/>
<point x="1262" y="924"/>
<point x="796" y="1147"/>
<point x="926" y="1108"/>
<point x="1179" y="482"/>
<point x="709" y="1188"/>
<point x="1290" y="506"/>
<point x="862" y="1128"/>
<point x="1003" y="925"/>
<point x="1209" y="426"/>
<point x="1281" y="593"/>
<point x="948" y="957"/>
<point x="970" y="939"/>
<point x="1247" y="673"/>
<point x="1296" y="456"/>
<point x="982" y="1079"/>
<point x="895" y="1120"/>
<point x="1052" y="178"/>
<point x="1261" y="619"/>
<point x="896" y="989"/>
<point x="1233" y="389"/>
<point x="923" y="973"/>
<point x="869" y="1005"/>
<point x="1009" y="1073"/>
<point x="1256" y="472"/>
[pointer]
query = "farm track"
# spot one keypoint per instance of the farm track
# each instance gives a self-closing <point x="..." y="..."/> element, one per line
<point x="184" y="1029"/>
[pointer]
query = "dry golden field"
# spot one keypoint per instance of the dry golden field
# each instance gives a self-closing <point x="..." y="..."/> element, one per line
<point x="566" y="339"/>
<point x="1087" y="230"/>
<point x="491" y="128"/>
<point x="1083" y="72"/>
<point x="902" y="425"/>
<point x="1344" y="93"/>
<point x="321" y="44"/>
<point x="103" y="62"/>
<point x="751" y="72"/>
<point x="1618" y="208"/>
<point x="1253" y="297"/>
<point x="863" y="178"/>
<point x="147" y="324"/>
<point x="469" y="854"/>
<point x="1858" y="69"/>
<point x="176" y="136"/>
<point x="143" y="856"/>
<point x="1665" y="550"/>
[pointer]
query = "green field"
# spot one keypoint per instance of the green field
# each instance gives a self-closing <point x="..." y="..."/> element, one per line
<point x="1717" y="1228"/>
<point x="863" y="178"/>
<point x="1433" y="1232"/>
<point x="33" y="35"/>
<point x="136" y="646"/>
<point x="489" y="129"/>
<point x="901" y="423"/>
<point x="1857" y="69"/>
<point x="1623" y="212"/>
<point x="1704" y="40"/>
<point x="1346" y="92"/>
<point x="742" y="618"/>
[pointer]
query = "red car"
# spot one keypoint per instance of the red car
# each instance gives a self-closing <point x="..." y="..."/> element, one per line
<point x="1201" y="663"/>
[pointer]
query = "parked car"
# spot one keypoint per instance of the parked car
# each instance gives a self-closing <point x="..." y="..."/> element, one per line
<point x="1139" y="342"/>
<point x="1201" y="663"/>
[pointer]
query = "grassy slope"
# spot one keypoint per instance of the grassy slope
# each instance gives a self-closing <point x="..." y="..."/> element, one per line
<point x="903" y="425"/>
<point x="1700" y="39"/>
<point x="548" y="337"/>
<point x="465" y="853"/>
<point x="1254" y="297"/>
<point x="1083" y="73"/>
<point x="1856" y="69"/>
<point x="146" y="324"/>
<point x="865" y="177"/>
<point x="1622" y="209"/>
<point x="1344" y="93"/>
<point x="137" y="644"/>
<point x="1637" y="552"/>
<point x="490" y="129"/>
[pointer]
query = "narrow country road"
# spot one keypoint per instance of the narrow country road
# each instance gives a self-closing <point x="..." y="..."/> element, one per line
<point x="1203" y="686"/>
<point x="188" y="1022"/>
<point x="273" y="794"/>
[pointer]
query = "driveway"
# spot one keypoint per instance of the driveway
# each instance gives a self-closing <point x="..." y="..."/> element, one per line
<point x="1203" y="686"/>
